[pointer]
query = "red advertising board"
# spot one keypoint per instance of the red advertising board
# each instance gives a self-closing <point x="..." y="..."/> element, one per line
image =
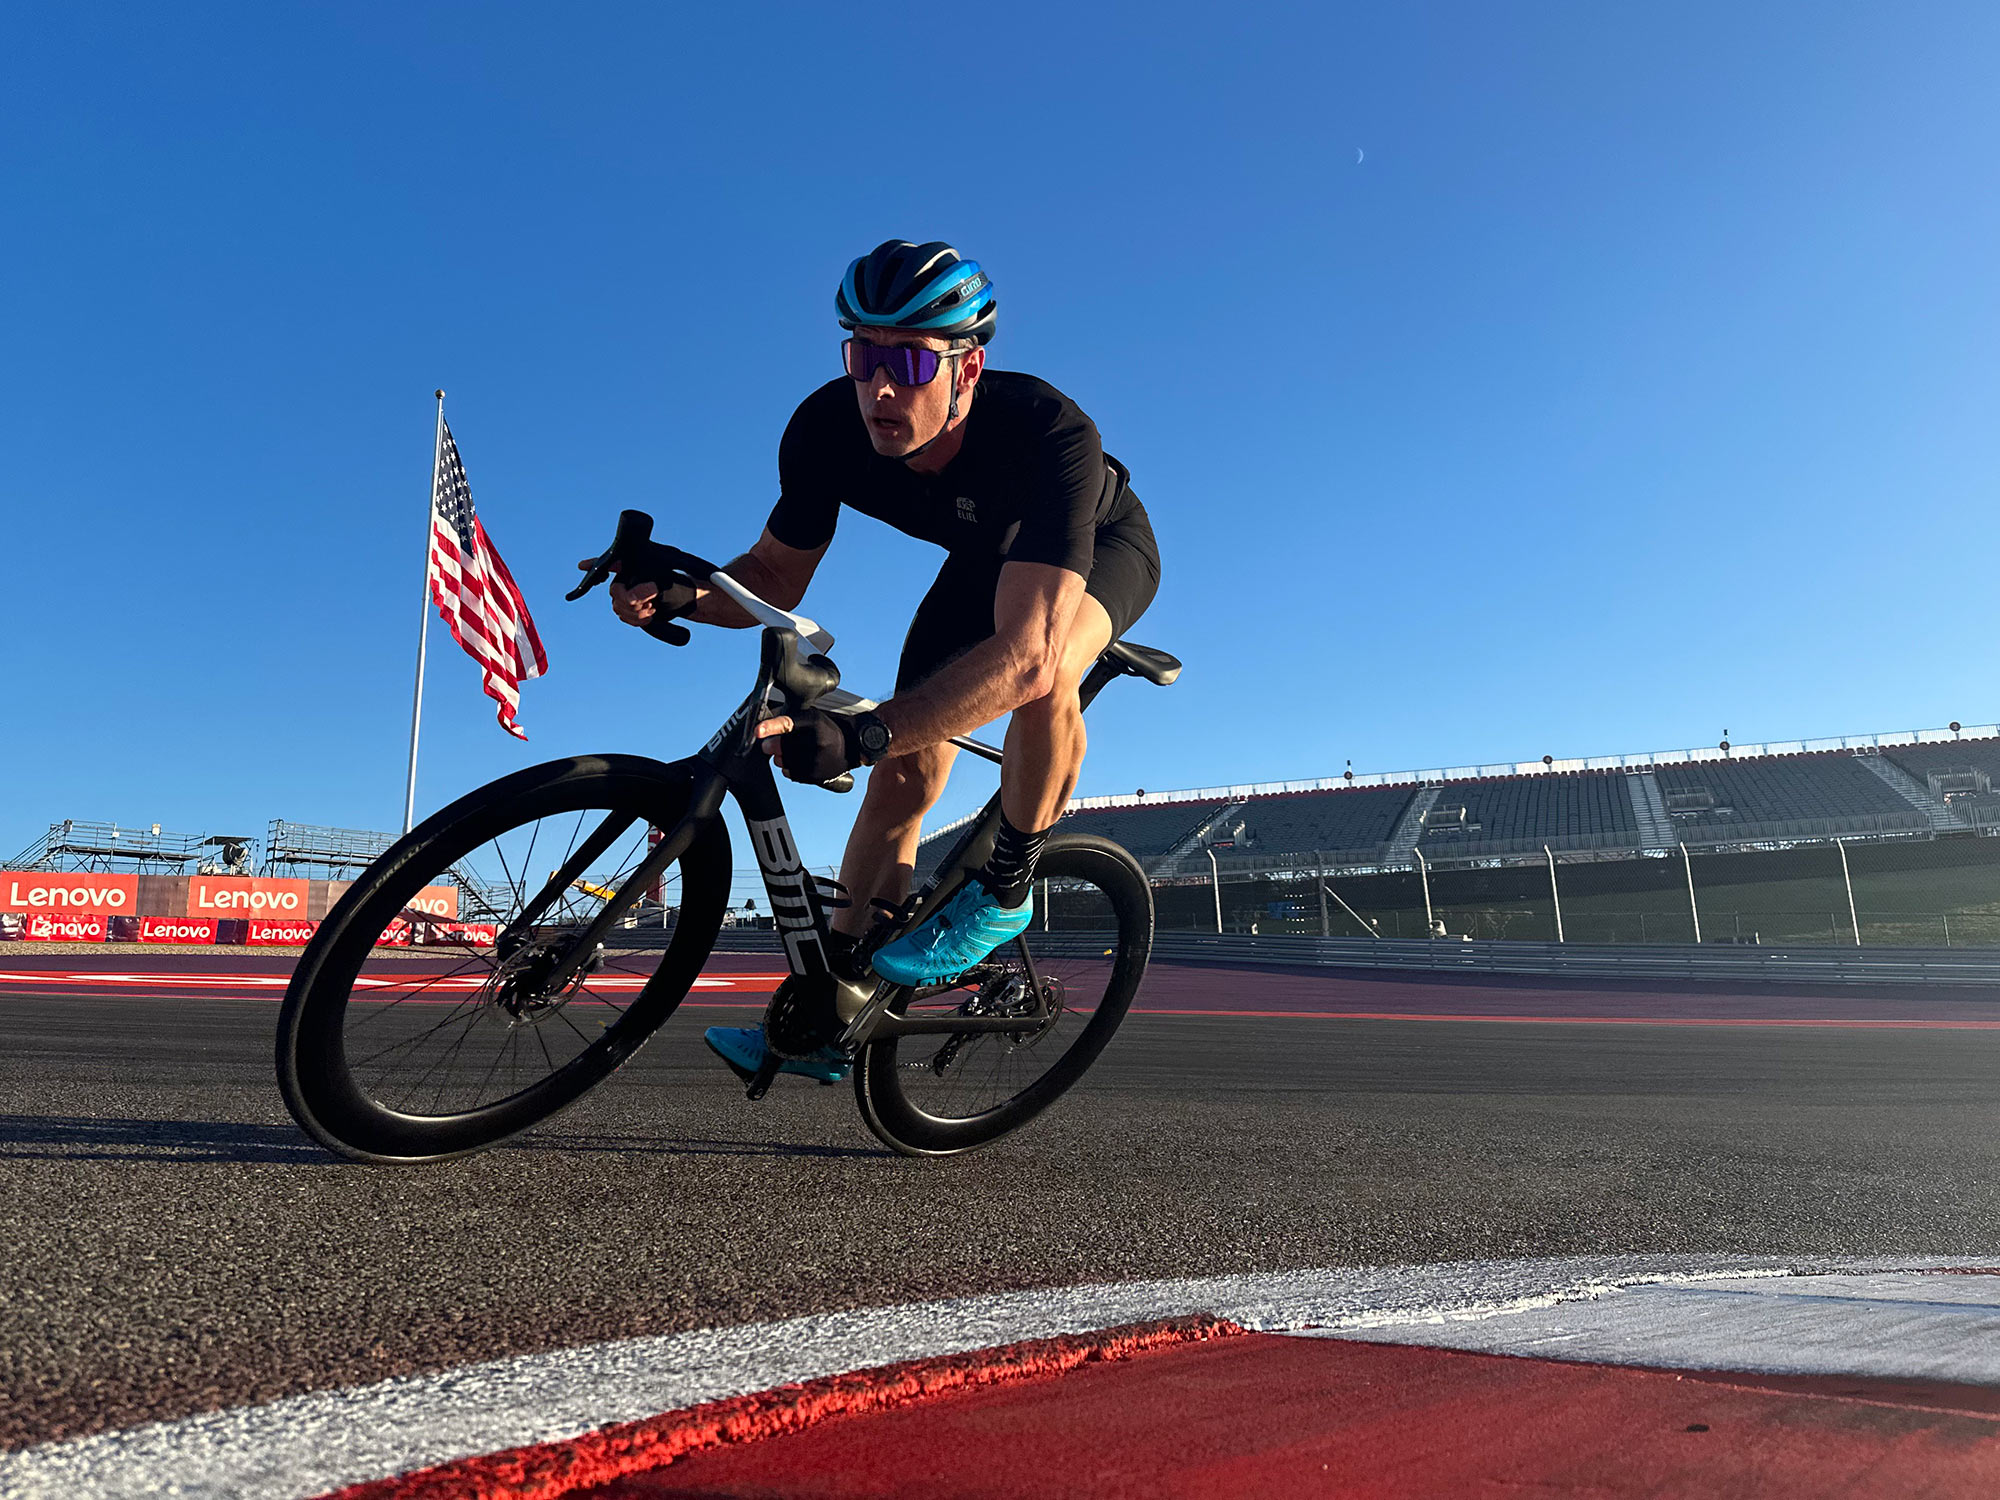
<point x="176" y="929"/>
<point x="436" y="901"/>
<point x="64" y="927"/>
<point x="67" y="890"/>
<point x="281" y="931"/>
<point x="238" y="896"/>
<point x="395" y="935"/>
<point x="460" y="934"/>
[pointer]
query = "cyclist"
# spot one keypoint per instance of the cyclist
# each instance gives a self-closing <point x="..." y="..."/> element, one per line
<point x="1049" y="558"/>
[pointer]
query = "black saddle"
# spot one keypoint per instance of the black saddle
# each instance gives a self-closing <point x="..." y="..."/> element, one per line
<point x="1149" y="662"/>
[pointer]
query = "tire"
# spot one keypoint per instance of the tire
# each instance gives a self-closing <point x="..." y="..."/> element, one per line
<point x="358" y="1091"/>
<point x="925" y="1096"/>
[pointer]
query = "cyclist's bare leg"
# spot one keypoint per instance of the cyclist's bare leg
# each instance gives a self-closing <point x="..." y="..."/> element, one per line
<point x="1045" y="739"/>
<point x="882" y="850"/>
<point x="1044" y="749"/>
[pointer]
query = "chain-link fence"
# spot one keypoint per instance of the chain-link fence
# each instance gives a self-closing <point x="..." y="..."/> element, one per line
<point x="1908" y="893"/>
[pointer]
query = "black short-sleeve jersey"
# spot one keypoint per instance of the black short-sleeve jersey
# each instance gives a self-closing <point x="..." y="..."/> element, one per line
<point x="1031" y="483"/>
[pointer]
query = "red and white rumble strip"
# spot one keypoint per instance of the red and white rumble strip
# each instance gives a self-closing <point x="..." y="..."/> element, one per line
<point x="1890" y="1317"/>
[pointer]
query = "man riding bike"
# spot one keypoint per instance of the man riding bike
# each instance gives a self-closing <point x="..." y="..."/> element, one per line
<point x="1049" y="558"/>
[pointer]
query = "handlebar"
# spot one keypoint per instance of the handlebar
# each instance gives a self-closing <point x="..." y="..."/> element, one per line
<point x="635" y="531"/>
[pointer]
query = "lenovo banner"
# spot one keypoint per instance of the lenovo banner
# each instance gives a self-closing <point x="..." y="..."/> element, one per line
<point x="395" y="935"/>
<point x="459" y="934"/>
<point x="261" y="930"/>
<point x="236" y="896"/>
<point x="436" y="901"/>
<point x="176" y="929"/>
<point x="44" y="927"/>
<point x="62" y="890"/>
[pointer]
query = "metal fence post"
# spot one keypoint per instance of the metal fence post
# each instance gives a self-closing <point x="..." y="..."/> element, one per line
<point x="1841" y="845"/>
<point x="1555" y="891"/>
<point x="1424" y="873"/>
<point x="1947" y="928"/>
<point x="1693" y="910"/>
<point x="1215" y="879"/>
<point x="1319" y="879"/>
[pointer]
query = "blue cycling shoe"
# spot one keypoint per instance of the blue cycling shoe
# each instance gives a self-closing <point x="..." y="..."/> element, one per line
<point x="742" y="1047"/>
<point x="948" y="943"/>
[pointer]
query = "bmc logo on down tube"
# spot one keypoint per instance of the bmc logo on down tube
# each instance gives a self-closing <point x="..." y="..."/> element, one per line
<point x="234" y="896"/>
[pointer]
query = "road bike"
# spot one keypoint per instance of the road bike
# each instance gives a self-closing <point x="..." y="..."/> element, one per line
<point x="562" y="866"/>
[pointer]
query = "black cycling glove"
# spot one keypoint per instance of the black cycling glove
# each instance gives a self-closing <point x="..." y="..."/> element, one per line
<point x="819" y="746"/>
<point x="654" y="564"/>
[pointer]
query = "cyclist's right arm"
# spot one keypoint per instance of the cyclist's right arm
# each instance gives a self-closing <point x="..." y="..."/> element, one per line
<point x="773" y="571"/>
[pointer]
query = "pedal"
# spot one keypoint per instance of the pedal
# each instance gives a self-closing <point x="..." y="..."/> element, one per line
<point x="760" y="1081"/>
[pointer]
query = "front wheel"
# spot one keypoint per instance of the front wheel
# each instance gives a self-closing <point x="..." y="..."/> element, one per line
<point x="468" y="1040"/>
<point x="1071" y="977"/>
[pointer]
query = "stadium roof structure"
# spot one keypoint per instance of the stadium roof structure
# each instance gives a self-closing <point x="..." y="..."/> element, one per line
<point x="1555" y="765"/>
<point x="1905" y="784"/>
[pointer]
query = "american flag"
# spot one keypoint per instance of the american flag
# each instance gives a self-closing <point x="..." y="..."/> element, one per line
<point x="476" y="594"/>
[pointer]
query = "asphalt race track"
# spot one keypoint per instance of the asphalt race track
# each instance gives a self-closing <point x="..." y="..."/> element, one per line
<point x="173" y="1244"/>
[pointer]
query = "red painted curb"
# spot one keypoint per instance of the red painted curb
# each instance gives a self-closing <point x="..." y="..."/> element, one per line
<point x="548" y="1471"/>
<point x="1268" y="1415"/>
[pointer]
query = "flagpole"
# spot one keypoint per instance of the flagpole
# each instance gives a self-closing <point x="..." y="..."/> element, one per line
<point x="423" y="626"/>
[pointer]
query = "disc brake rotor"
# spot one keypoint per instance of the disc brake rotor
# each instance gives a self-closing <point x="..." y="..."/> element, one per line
<point x="518" y="988"/>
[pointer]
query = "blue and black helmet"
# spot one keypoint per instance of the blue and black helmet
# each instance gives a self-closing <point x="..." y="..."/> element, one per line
<point x="927" y="288"/>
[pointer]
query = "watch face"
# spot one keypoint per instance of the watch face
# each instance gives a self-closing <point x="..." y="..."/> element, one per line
<point x="874" y="737"/>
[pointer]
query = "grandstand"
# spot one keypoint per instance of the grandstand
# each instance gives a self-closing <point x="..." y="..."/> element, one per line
<point x="1522" y="813"/>
<point x="1777" y="789"/>
<point x="1359" y="818"/>
<point x="1163" y="827"/>
<point x="1909" y="785"/>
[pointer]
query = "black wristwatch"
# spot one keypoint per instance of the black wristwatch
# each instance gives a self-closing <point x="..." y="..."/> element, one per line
<point x="872" y="736"/>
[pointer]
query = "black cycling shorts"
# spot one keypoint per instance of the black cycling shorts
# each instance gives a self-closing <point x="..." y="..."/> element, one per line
<point x="957" y="613"/>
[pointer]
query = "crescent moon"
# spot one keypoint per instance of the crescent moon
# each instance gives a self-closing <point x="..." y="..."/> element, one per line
<point x="1358" y="155"/>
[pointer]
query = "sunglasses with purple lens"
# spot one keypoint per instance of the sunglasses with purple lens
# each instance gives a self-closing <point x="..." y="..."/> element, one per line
<point x="906" y="365"/>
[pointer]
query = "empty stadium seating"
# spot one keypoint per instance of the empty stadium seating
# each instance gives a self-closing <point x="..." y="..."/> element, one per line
<point x="1292" y="822"/>
<point x="1777" y="788"/>
<point x="1800" y="796"/>
<point x="1524" y="808"/>
<point x="1924" y="761"/>
<point x="1146" y="829"/>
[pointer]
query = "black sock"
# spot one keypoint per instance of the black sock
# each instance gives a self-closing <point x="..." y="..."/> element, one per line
<point x="1010" y="872"/>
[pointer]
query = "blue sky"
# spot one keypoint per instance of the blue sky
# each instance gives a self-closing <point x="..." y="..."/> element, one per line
<point x="1639" y="383"/>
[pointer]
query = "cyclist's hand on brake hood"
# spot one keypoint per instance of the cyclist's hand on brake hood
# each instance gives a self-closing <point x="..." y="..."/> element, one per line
<point x="813" y="747"/>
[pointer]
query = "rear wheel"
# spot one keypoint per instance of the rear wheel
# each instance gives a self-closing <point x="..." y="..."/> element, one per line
<point x="1071" y="982"/>
<point x="401" y="1058"/>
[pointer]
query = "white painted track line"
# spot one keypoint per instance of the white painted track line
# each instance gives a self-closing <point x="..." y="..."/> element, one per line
<point x="306" y="1445"/>
<point x="1903" y="1324"/>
